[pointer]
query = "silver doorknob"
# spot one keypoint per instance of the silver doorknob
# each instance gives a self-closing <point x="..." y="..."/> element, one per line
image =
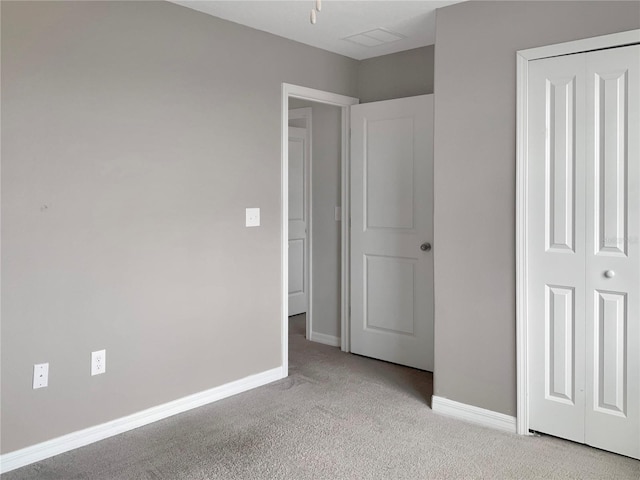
<point x="425" y="247"/>
<point x="609" y="273"/>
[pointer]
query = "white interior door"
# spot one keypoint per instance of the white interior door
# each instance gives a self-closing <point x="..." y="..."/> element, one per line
<point x="299" y="151"/>
<point x="391" y="224"/>
<point x="584" y="253"/>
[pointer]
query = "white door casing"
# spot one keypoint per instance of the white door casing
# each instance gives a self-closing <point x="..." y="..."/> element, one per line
<point x="583" y="261"/>
<point x="299" y="165"/>
<point x="391" y="217"/>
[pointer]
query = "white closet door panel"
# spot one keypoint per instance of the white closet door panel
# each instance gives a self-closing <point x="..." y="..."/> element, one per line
<point x="556" y="246"/>
<point x="613" y="250"/>
<point x="559" y="352"/>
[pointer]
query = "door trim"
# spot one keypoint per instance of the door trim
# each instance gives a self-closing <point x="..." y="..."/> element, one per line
<point x="523" y="58"/>
<point x="344" y="102"/>
<point x="305" y="114"/>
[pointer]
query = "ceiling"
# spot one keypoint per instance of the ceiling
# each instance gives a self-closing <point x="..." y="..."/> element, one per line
<point x="389" y="25"/>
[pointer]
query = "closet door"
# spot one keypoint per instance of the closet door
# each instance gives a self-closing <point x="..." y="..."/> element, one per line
<point x="583" y="248"/>
<point x="612" y="420"/>
<point x="557" y="246"/>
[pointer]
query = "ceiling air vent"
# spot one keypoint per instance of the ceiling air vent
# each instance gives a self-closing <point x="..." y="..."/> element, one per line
<point x="373" y="38"/>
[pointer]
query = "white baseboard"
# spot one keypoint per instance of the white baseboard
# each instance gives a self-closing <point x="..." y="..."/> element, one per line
<point x="325" y="339"/>
<point x="487" y="418"/>
<point x="20" y="458"/>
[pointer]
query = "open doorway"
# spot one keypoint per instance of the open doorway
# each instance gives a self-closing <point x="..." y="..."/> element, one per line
<point x="315" y="217"/>
<point x="326" y="104"/>
<point x="385" y="284"/>
<point x="323" y="174"/>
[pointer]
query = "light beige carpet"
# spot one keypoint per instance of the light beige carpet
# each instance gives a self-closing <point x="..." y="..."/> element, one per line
<point x="337" y="416"/>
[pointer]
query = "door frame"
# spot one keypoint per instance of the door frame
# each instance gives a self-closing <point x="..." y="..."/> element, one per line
<point x="523" y="58"/>
<point x="306" y="115"/>
<point x="344" y="102"/>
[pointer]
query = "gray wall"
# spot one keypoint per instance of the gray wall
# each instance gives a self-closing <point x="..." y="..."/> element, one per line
<point x="398" y="75"/>
<point x="134" y="134"/>
<point x="474" y="246"/>
<point x="326" y="152"/>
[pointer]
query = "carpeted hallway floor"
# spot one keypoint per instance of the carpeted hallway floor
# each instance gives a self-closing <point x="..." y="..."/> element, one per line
<point x="337" y="416"/>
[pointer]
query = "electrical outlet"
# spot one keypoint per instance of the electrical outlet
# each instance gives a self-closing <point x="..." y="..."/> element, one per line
<point x="98" y="362"/>
<point x="252" y="217"/>
<point x="40" y="375"/>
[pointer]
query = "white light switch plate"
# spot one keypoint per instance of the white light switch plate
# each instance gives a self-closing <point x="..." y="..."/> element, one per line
<point x="40" y="375"/>
<point x="253" y="217"/>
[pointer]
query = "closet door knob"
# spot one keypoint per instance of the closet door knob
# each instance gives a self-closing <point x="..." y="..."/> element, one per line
<point x="425" y="247"/>
<point x="609" y="273"/>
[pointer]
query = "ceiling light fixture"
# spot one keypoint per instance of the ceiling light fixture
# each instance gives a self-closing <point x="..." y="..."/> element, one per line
<point x="318" y="6"/>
